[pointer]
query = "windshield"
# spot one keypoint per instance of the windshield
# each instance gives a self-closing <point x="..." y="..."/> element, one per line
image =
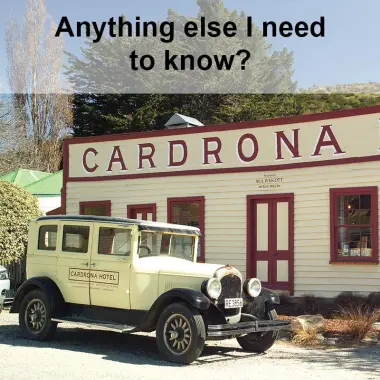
<point x="166" y="244"/>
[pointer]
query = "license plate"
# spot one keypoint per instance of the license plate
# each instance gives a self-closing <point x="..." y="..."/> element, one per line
<point x="233" y="303"/>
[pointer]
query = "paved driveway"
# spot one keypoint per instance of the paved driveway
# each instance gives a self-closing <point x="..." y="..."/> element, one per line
<point x="96" y="355"/>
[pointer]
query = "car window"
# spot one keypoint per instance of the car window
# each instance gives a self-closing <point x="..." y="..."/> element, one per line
<point x="47" y="238"/>
<point x="114" y="241"/>
<point x="166" y="244"/>
<point x="75" y="239"/>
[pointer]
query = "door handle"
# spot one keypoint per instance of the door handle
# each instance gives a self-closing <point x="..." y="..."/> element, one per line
<point x="84" y="264"/>
<point x="92" y="264"/>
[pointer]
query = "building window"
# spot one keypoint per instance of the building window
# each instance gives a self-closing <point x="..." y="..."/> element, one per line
<point x="97" y="208"/>
<point x="189" y="212"/>
<point x="114" y="241"/>
<point x="75" y="239"/>
<point x="142" y="212"/>
<point x="47" y="238"/>
<point x="354" y="224"/>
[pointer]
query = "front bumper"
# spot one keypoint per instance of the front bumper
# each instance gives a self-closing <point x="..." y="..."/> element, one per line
<point x="5" y="298"/>
<point x="240" y="328"/>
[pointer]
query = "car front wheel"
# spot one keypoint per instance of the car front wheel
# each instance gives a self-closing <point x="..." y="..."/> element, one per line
<point x="35" y="318"/>
<point x="181" y="333"/>
<point x="259" y="342"/>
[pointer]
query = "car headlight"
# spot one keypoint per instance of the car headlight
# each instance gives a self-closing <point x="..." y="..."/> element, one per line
<point x="4" y="275"/>
<point x="252" y="287"/>
<point x="213" y="288"/>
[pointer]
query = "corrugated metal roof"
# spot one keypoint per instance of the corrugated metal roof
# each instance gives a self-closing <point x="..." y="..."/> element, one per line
<point x="50" y="185"/>
<point x="23" y="177"/>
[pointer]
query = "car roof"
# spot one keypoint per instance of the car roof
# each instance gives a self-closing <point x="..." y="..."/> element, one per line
<point x="142" y="224"/>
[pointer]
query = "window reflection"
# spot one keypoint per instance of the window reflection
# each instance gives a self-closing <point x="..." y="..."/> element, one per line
<point x="354" y="234"/>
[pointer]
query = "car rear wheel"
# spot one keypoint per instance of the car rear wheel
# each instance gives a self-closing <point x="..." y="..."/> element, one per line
<point x="35" y="317"/>
<point x="181" y="333"/>
<point x="259" y="342"/>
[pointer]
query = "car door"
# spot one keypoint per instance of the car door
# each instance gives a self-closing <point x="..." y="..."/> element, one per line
<point x="73" y="277"/>
<point x="110" y="266"/>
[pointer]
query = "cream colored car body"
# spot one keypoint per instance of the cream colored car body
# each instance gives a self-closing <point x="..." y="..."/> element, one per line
<point x="93" y="271"/>
<point x="123" y="282"/>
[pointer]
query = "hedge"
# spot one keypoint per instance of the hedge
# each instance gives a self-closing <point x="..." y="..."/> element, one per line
<point x="17" y="209"/>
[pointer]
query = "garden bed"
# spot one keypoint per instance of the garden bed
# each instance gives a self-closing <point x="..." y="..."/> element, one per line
<point x="350" y="321"/>
<point x="337" y="333"/>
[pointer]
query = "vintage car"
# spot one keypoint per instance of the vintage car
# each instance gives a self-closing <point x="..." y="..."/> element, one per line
<point x="131" y="276"/>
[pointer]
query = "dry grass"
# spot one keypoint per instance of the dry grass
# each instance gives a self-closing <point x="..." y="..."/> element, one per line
<point x="360" y="319"/>
<point x="305" y="337"/>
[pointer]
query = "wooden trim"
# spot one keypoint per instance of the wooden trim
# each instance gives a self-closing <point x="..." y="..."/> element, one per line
<point x="82" y="205"/>
<point x="215" y="128"/>
<point x="250" y="169"/>
<point x="231" y="126"/>
<point x="291" y="244"/>
<point x="252" y="234"/>
<point x="153" y="206"/>
<point x="201" y="201"/>
<point x="272" y="220"/>
<point x="374" y="262"/>
<point x="334" y="193"/>
<point x="66" y="175"/>
<point x="56" y="211"/>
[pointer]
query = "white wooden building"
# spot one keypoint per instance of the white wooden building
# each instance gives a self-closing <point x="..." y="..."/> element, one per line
<point x="293" y="201"/>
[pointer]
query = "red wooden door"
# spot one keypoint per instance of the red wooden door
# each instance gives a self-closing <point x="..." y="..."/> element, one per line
<point x="270" y="255"/>
<point x="142" y="212"/>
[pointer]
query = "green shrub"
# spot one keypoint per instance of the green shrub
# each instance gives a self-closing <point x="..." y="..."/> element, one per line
<point x="17" y="209"/>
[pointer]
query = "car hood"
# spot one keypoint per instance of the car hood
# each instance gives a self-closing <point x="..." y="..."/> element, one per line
<point x="179" y="267"/>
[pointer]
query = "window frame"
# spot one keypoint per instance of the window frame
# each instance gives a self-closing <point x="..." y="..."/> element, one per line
<point x="334" y="194"/>
<point x="201" y="201"/>
<point x="163" y="234"/>
<point x="63" y="251"/>
<point x="142" y="206"/>
<point x="38" y="239"/>
<point x="112" y="254"/>
<point x="106" y="203"/>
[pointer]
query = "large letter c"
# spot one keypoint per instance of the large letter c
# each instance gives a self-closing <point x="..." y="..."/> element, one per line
<point x="88" y="169"/>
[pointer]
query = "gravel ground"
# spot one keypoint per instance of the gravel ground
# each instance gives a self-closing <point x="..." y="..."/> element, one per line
<point x="97" y="354"/>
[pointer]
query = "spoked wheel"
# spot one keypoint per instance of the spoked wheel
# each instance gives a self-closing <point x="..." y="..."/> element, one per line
<point x="177" y="334"/>
<point x="259" y="342"/>
<point x="181" y="333"/>
<point x="34" y="317"/>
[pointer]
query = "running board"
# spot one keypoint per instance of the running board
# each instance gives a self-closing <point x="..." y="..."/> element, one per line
<point x="123" y="329"/>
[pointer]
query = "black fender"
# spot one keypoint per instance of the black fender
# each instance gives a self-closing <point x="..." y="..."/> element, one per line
<point x="46" y="285"/>
<point x="213" y="315"/>
<point x="193" y="297"/>
<point x="261" y="305"/>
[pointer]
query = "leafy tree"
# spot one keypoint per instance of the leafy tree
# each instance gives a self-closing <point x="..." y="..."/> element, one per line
<point x="105" y="102"/>
<point x="267" y="106"/>
<point x="108" y="114"/>
<point x="17" y="209"/>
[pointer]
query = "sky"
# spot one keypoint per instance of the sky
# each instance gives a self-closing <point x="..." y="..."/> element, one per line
<point x="348" y="53"/>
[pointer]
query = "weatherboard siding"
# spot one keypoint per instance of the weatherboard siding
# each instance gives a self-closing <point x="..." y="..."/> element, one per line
<point x="225" y="216"/>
